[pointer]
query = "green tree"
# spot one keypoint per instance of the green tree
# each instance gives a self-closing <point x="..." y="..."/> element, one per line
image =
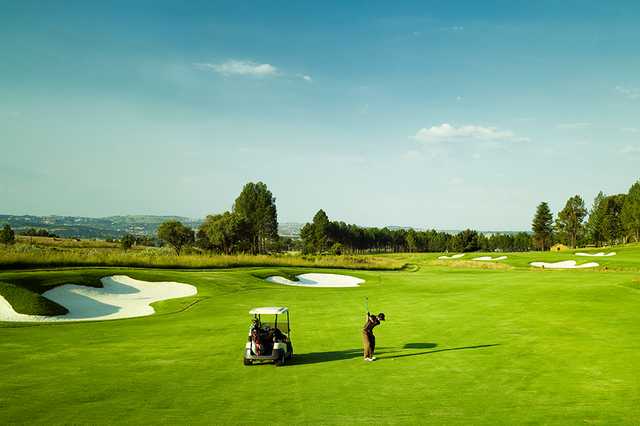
<point x="570" y="221"/>
<point x="631" y="212"/>
<point x="466" y="241"/>
<point x="596" y="218"/>
<point x="7" y="236"/>
<point x="127" y="241"/>
<point x="542" y="227"/>
<point x="612" y="229"/>
<point x="176" y="235"/>
<point x="320" y="231"/>
<point x="225" y="233"/>
<point x="256" y="206"/>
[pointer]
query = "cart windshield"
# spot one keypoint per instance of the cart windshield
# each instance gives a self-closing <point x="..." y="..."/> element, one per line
<point x="282" y="325"/>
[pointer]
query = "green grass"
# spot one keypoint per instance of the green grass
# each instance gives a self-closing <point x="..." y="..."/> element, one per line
<point x="27" y="302"/>
<point x="461" y="345"/>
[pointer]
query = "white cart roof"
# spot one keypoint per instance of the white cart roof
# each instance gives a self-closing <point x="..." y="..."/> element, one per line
<point x="270" y="310"/>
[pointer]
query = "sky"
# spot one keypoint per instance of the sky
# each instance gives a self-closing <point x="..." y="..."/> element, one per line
<point x="430" y="114"/>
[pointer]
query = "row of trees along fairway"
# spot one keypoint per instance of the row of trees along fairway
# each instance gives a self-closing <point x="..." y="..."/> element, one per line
<point x="613" y="219"/>
<point x="324" y="236"/>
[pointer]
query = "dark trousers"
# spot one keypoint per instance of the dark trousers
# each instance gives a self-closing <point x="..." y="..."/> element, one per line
<point x="368" y="343"/>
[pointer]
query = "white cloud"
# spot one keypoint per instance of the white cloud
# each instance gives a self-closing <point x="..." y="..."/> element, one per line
<point x="578" y="125"/>
<point x="630" y="129"/>
<point x="453" y="28"/>
<point x="630" y="149"/>
<point x="448" y="133"/>
<point x="412" y="155"/>
<point x="628" y="92"/>
<point x="245" y="68"/>
<point x="307" y="78"/>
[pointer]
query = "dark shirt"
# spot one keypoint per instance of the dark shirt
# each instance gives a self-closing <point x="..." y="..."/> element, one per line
<point x="372" y="321"/>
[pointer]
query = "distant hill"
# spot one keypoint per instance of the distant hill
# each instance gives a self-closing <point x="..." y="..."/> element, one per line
<point x="117" y="226"/>
<point x="89" y="227"/>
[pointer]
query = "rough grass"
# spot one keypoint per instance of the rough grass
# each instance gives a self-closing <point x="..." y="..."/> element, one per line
<point x="28" y="302"/>
<point x="64" y="242"/>
<point x="22" y="257"/>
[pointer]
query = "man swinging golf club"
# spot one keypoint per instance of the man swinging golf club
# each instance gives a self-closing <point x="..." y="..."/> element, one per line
<point x="368" y="339"/>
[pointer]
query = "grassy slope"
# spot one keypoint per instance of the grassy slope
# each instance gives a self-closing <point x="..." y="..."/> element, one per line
<point x="23" y="290"/>
<point x="461" y="345"/>
<point x="27" y="302"/>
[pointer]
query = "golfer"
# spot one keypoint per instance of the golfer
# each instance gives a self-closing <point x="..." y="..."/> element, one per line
<point x="368" y="339"/>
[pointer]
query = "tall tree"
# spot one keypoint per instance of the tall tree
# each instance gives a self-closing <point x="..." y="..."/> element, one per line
<point x="320" y="231"/>
<point x="542" y="227"/>
<point x="612" y="229"/>
<point x="7" y="236"/>
<point x="570" y="220"/>
<point x="596" y="217"/>
<point x="176" y="235"/>
<point x="631" y="212"/>
<point x="257" y="207"/>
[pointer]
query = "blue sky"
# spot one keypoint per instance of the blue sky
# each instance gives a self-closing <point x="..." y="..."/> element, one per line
<point x="430" y="114"/>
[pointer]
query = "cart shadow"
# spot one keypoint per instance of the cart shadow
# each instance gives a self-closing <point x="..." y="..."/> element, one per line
<point x="433" y="345"/>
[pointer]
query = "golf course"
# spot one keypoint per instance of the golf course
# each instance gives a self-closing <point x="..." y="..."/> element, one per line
<point x="464" y="342"/>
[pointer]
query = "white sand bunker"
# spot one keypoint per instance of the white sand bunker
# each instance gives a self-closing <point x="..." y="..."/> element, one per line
<point x="601" y="254"/>
<point x="319" y="280"/>
<point x="489" y="258"/>
<point x="567" y="264"/>
<point x="120" y="297"/>
<point x="455" y="256"/>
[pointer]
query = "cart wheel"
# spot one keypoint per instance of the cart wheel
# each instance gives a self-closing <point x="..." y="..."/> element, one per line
<point x="281" y="359"/>
<point x="247" y="361"/>
<point x="289" y="350"/>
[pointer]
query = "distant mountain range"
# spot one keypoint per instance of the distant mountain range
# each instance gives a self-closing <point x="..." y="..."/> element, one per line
<point x="89" y="227"/>
<point x="117" y="226"/>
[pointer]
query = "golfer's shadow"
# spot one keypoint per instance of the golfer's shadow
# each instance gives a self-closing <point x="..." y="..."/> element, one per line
<point x="316" y="357"/>
<point x="431" y="346"/>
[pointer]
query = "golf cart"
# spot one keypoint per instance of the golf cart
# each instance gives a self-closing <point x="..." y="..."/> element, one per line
<point x="269" y="340"/>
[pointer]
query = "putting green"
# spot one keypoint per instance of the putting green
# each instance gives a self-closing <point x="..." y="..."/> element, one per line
<point x="462" y="344"/>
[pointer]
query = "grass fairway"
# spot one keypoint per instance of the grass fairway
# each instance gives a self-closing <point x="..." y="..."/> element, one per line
<point x="461" y="345"/>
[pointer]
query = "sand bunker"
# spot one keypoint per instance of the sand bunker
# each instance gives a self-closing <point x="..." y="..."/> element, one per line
<point x="601" y="254"/>
<point x="567" y="264"/>
<point x="489" y="258"/>
<point x="319" y="280"/>
<point x="120" y="297"/>
<point x="455" y="256"/>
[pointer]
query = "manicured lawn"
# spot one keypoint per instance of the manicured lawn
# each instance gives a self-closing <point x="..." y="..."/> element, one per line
<point x="461" y="345"/>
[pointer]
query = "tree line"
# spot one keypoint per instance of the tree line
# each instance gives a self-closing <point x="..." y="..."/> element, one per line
<point x="612" y="219"/>
<point x="324" y="236"/>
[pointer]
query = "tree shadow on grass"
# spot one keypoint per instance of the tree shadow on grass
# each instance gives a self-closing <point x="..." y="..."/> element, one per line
<point x="433" y="345"/>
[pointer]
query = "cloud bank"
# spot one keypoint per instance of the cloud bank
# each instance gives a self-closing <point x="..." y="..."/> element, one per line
<point x="628" y="92"/>
<point x="448" y="133"/>
<point x="243" y="68"/>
